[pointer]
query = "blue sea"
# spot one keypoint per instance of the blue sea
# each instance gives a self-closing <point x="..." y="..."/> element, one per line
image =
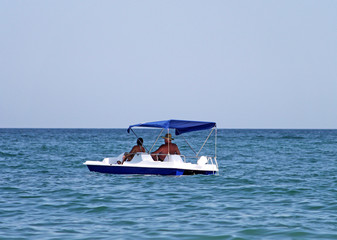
<point x="273" y="184"/>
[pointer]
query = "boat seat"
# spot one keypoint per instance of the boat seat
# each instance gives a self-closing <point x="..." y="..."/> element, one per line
<point x="173" y="158"/>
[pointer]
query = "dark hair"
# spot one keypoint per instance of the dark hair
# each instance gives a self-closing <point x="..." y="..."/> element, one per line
<point x="140" y="141"/>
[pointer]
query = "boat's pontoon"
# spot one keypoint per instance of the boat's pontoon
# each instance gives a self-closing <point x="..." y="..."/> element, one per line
<point x="143" y="163"/>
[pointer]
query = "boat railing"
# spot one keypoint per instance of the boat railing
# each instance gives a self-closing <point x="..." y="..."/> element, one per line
<point x="162" y="154"/>
<point x="210" y="159"/>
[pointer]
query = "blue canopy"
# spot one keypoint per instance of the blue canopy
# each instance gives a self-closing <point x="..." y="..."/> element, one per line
<point x="180" y="126"/>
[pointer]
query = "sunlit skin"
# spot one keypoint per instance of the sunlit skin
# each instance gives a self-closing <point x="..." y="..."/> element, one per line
<point x="164" y="149"/>
<point x="128" y="156"/>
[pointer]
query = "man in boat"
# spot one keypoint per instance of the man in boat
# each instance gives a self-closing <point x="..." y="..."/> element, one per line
<point x="167" y="148"/>
<point x="137" y="148"/>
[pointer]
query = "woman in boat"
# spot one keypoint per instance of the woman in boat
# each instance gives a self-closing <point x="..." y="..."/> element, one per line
<point x="167" y="148"/>
<point x="137" y="148"/>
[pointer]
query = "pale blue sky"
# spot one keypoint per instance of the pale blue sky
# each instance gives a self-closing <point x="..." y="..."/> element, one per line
<point x="106" y="64"/>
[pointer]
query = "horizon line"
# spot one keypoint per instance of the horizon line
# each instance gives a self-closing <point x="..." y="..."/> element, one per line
<point x="239" y="128"/>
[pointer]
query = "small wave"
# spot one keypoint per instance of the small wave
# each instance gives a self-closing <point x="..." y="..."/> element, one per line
<point x="98" y="209"/>
<point x="44" y="147"/>
<point x="292" y="137"/>
<point x="4" y="154"/>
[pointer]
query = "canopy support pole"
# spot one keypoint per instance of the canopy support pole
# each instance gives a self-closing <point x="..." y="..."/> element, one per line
<point x="205" y="142"/>
<point x="156" y="140"/>
<point x="216" y="138"/>
<point x="168" y="145"/>
<point x="189" y="145"/>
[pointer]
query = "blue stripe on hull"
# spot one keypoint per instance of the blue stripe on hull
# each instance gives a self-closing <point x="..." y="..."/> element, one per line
<point x="194" y="172"/>
<point x="135" y="170"/>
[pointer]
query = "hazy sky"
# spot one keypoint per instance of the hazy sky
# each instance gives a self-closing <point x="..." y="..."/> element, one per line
<point x="106" y="64"/>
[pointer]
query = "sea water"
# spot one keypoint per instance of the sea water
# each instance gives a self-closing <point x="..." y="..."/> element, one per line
<point x="273" y="184"/>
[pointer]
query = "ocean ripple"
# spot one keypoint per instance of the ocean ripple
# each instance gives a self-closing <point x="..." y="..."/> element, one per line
<point x="273" y="184"/>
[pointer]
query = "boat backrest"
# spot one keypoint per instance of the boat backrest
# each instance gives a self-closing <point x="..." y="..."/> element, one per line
<point x="137" y="158"/>
<point x="202" y="161"/>
<point x="113" y="160"/>
<point x="146" y="157"/>
<point x="173" y="158"/>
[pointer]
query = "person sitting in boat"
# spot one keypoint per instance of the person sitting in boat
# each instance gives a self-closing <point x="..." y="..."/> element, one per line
<point x="137" y="148"/>
<point x="167" y="148"/>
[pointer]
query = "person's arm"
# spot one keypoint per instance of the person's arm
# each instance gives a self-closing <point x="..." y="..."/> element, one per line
<point x="154" y="154"/>
<point x="129" y="155"/>
<point x="176" y="149"/>
<point x="134" y="149"/>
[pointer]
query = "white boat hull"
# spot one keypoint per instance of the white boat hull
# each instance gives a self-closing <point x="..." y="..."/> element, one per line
<point x="142" y="163"/>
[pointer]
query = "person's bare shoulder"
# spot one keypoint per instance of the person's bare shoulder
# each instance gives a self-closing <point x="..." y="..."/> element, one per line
<point x="134" y="149"/>
<point x="174" y="145"/>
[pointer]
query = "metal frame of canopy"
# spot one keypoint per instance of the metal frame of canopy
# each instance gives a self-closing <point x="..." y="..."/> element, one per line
<point x="180" y="126"/>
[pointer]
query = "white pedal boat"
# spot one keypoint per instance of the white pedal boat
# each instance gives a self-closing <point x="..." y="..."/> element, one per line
<point x="143" y="163"/>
